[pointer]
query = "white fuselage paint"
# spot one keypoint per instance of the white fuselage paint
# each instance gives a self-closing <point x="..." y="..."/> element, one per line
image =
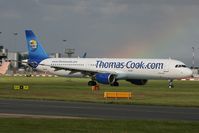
<point x="122" y="68"/>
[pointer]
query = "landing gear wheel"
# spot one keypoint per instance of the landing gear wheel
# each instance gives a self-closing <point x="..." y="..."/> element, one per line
<point x="92" y="83"/>
<point x="170" y="84"/>
<point x="28" y="75"/>
<point x="115" y="84"/>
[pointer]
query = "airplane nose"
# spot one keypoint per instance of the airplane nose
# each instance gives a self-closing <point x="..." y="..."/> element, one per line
<point x="189" y="73"/>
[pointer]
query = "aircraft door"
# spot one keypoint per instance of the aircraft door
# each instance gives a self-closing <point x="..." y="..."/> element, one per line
<point x="164" y="72"/>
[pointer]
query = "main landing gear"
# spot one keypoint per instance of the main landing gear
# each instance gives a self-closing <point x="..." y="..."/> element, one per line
<point x="92" y="83"/>
<point x="170" y="83"/>
<point x="115" y="83"/>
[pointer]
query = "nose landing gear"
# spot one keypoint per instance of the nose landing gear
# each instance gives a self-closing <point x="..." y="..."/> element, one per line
<point x="170" y="83"/>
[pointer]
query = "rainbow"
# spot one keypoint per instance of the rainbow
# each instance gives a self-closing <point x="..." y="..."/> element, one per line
<point x="159" y="41"/>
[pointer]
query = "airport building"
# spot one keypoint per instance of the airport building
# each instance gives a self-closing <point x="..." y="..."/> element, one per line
<point x="55" y="55"/>
<point x="17" y="57"/>
<point x="195" y="71"/>
<point x="3" y="53"/>
<point x="13" y="56"/>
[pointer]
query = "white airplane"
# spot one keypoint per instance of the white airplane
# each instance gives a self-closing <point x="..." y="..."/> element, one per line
<point x="105" y="70"/>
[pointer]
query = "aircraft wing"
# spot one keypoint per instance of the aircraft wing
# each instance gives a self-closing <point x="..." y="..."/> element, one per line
<point x="84" y="70"/>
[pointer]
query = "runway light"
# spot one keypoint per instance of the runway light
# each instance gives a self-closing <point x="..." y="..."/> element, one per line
<point x="21" y="87"/>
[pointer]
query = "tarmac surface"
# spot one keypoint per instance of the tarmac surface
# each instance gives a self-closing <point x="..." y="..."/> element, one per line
<point x="61" y="109"/>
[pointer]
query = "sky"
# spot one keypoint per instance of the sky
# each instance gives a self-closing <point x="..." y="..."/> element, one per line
<point x="105" y="28"/>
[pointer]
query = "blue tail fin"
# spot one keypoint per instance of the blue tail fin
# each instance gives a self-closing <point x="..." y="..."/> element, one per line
<point x="36" y="53"/>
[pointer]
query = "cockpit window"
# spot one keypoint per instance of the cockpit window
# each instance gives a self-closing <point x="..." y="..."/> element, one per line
<point x="180" y="66"/>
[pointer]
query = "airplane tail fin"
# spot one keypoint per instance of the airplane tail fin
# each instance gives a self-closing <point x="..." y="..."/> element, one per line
<point x="84" y="56"/>
<point x="36" y="52"/>
<point x="4" y="68"/>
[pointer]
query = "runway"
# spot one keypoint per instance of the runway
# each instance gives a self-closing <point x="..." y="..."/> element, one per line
<point x="61" y="109"/>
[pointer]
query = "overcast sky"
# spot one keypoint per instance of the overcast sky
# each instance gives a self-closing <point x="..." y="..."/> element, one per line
<point x="105" y="28"/>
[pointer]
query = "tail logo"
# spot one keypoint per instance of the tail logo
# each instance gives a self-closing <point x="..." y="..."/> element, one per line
<point x="33" y="44"/>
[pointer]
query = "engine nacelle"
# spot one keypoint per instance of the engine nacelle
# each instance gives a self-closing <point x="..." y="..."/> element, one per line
<point x="138" y="81"/>
<point x="105" y="78"/>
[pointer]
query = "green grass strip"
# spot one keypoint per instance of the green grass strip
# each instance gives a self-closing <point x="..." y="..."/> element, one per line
<point x="185" y="93"/>
<point x="27" y="125"/>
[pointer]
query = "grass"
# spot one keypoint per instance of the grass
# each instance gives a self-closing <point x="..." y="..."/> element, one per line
<point x="26" y="125"/>
<point x="185" y="93"/>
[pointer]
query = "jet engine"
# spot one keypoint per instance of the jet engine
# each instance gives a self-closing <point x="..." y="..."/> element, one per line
<point x="105" y="78"/>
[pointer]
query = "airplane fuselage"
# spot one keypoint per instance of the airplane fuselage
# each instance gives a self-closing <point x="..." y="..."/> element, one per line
<point x="123" y="68"/>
